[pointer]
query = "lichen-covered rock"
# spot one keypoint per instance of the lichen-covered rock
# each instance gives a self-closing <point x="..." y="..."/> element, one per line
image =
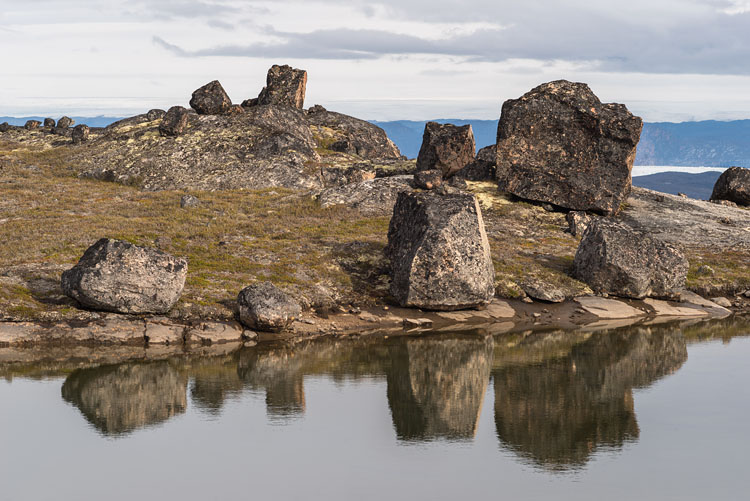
<point x="559" y="144"/>
<point x="265" y="307"/>
<point x="483" y="166"/>
<point x="4" y="127"/>
<point x="65" y="122"/>
<point x="614" y="259"/>
<point x="578" y="221"/>
<point x="543" y="290"/>
<point x="32" y="124"/>
<point x="439" y="252"/>
<point x="249" y="103"/>
<point x="189" y="201"/>
<point x="373" y="197"/>
<point x="118" y="276"/>
<point x="446" y="147"/>
<point x="733" y="185"/>
<point x="155" y="114"/>
<point x="285" y="86"/>
<point x="80" y="134"/>
<point x="428" y="179"/>
<point x="174" y="121"/>
<point x="49" y="123"/>
<point x="346" y="134"/>
<point x="211" y="99"/>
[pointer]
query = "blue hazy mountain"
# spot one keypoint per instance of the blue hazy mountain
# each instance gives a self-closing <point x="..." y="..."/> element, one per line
<point x="90" y="121"/>
<point x="707" y="144"/>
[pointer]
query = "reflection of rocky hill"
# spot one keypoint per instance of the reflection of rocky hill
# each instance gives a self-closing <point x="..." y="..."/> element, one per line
<point x="558" y="412"/>
<point x="436" y="386"/>
<point x="278" y="372"/>
<point x="122" y="398"/>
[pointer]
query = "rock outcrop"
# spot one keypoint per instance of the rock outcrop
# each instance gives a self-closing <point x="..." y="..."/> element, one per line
<point x="345" y="134"/>
<point x="614" y="259"/>
<point x="265" y="307"/>
<point x="733" y="185"/>
<point x="439" y="252"/>
<point x="211" y="99"/>
<point x="373" y="197"/>
<point x="446" y="147"/>
<point x="559" y="144"/>
<point x="118" y="276"/>
<point x="285" y="86"/>
<point x="174" y="121"/>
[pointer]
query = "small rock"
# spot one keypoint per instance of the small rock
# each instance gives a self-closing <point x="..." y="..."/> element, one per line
<point x="249" y="103"/>
<point x="722" y="301"/>
<point x="80" y="134"/>
<point x="187" y="201"/>
<point x="316" y="109"/>
<point x="211" y="99"/>
<point x="542" y="290"/>
<point x="683" y="195"/>
<point x="118" y="276"/>
<point x="417" y="322"/>
<point x="155" y="114"/>
<point x="265" y="307"/>
<point x="705" y="270"/>
<point x="446" y="148"/>
<point x="733" y="185"/>
<point x="217" y="332"/>
<point x="428" y="179"/>
<point x="174" y="122"/>
<point x="4" y="127"/>
<point x="285" y="86"/>
<point x="369" y="317"/>
<point x="536" y="315"/>
<point x="32" y="125"/>
<point x="65" y="122"/>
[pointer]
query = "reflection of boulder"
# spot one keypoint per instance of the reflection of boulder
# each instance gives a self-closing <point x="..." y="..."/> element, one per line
<point x="558" y="412"/>
<point x="121" y="398"/>
<point x="436" y="386"/>
<point x="213" y="384"/>
<point x="278" y="371"/>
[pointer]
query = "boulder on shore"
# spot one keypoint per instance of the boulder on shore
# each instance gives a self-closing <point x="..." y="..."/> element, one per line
<point x="265" y="307"/>
<point x="118" y="276"/>
<point x="614" y="259"/>
<point x="559" y="144"/>
<point x="211" y="99"/>
<point x="285" y="86"/>
<point x="174" y="121"/>
<point x="439" y="252"/>
<point x="446" y="147"/>
<point x="733" y="185"/>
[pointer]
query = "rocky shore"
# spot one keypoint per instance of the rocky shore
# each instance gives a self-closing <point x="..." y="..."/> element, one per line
<point x="231" y="223"/>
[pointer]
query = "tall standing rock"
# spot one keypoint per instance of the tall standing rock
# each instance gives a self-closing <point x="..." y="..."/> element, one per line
<point x="285" y="86"/>
<point x="439" y="252"/>
<point x="446" y="147"/>
<point x="211" y="99"/>
<point x="559" y="144"/>
<point x="733" y="185"/>
<point x="118" y="276"/>
<point x="614" y="259"/>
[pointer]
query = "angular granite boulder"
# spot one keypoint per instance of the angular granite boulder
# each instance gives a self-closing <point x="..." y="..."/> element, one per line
<point x="614" y="259"/>
<point x="439" y="252"/>
<point x="733" y="185"/>
<point x="285" y="86"/>
<point x="118" y="276"/>
<point x="446" y="147"/>
<point x="265" y="307"/>
<point x="174" y="121"/>
<point x="559" y="144"/>
<point x="211" y="99"/>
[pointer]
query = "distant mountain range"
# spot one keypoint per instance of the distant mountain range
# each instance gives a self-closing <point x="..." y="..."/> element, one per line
<point x="702" y="144"/>
<point x="90" y="121"/>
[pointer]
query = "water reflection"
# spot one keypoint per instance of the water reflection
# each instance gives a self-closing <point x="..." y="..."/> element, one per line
<point x="557" y="412"/>
<point x="436" y="386"/>
<point x="119" y="399"/>
<point x="558" y="396"/>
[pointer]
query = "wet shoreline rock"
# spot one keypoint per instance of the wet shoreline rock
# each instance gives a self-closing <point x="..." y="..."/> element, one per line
<point x="559" y="144"/>
<point x="439" y="252"/>
<point x="118" y="276"/>
<point x="265" y="307"/>
<point x="614" y="259"/>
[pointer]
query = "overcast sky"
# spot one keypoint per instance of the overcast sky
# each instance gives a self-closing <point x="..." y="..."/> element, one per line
<point x="667" y="60"/>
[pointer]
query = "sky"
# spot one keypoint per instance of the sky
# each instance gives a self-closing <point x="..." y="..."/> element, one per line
<point x="667" y="60"/>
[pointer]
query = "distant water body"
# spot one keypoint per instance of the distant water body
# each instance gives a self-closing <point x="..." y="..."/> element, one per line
<point x="647" y="170"/>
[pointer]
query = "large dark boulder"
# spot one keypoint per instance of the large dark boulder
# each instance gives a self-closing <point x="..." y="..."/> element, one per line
<point x="4" y="127"/>
<point x="32" y="124"/>
<point x="118" y="276"/>
<point x="49" y="123"/>
<point x="285" y="86"/>
<point x="483" y="166"/>
<point x="211" y="99"/>
<point x="439" y="252"/>
<point x="265" y="307"/>
<point x="446" y="147"/>
<point x="613" y="258"/>
<point x="65" y="122"/>
<point x="559" y="144"/>
<point x="80" y="134"/>
<point x="733" y="185"/>
<point x="174" y="121"/>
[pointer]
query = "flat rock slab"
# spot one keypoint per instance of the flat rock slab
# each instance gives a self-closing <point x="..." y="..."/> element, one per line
<point x="106" y="331"/>
<point x="608" y="309"/>
<point x="500" y="309"/>
<point x="218" y="332"/>
<point x="663" y="308"/>
<point x="689" y="297"/>
<point x="374" y="197"/>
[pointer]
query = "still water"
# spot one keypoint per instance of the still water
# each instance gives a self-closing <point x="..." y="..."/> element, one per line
<point x="658" y="412"/>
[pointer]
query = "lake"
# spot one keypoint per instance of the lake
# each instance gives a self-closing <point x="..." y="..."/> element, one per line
<point x="649" y="412"/>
